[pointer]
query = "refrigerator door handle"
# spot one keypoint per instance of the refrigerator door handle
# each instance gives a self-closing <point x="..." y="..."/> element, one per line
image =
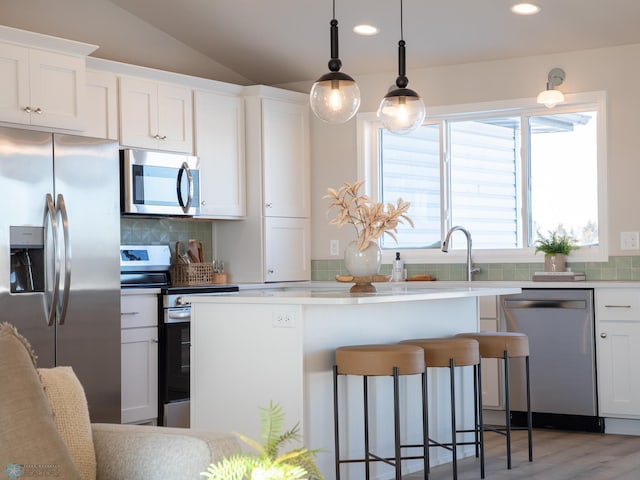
<point x="183" y="169"/>
<point x="50" y="218"/>
<point x="62" y="210"/>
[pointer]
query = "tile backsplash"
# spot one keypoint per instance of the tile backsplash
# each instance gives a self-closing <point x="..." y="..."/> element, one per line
<point x="617" y="268"/>
<point x="158" y="231"/>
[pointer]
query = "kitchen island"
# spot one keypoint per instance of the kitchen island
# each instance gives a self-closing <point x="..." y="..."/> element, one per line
<point x="250" y="349"/>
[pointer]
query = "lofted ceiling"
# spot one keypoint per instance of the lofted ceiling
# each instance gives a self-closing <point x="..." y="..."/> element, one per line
<point x="279" y="41"/>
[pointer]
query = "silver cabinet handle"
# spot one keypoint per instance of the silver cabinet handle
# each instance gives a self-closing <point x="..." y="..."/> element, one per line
<point x="270" y="271"/>
<point x="38" y="111"/>
<point x="155" y="340"/>
<point x="268" y="205"/>
<point x="122" y="314"/>
<point x="617" y="306"/>
<point x="163" y="137"/>
<point x="603" y="335"/>
<point x="27" y="109"/>
<point x="156" y="136"/>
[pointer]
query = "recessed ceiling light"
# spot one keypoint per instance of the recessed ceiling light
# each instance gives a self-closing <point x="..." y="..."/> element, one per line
<point x="365" y="30"/>
<point x="525" y="9"/>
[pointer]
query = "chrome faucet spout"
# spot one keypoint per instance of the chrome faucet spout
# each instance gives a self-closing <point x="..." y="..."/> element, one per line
<point x="445" y="248"/>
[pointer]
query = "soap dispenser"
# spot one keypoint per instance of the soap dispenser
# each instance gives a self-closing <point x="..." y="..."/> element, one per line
<point x="397" y="272"/>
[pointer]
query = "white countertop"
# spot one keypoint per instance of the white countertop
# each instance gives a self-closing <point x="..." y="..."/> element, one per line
<point x="311" y="296"/>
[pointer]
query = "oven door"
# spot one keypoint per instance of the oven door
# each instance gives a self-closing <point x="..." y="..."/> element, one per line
<point x="175" y="353"/>
<point x="157" y="183"/>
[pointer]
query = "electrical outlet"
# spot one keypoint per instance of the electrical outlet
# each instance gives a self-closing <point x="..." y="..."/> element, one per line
<point x="334" y="248"/>
<point x="629" y="241"/>
<point x="283" y="319"/>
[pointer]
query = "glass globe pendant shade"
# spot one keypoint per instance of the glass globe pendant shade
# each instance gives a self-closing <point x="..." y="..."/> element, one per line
<point x="401" y="111"/>
<point x="335" y="97"/>
<point x="550" y="98"/>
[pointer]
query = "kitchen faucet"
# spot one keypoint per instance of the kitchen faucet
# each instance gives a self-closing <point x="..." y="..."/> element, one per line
<point x="445" y="248"/>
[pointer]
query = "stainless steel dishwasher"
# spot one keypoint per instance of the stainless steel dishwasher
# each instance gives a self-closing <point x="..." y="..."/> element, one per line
<point x="560" y="326"/>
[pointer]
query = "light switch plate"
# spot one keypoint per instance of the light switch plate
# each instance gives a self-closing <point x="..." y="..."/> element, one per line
<point x="629" y="241"/>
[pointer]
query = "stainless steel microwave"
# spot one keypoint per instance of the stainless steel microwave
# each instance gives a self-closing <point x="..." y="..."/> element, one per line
<point x="158" y="183"/>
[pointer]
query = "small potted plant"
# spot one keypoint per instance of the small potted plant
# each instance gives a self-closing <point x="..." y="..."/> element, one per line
<point x="268" y="463"/>
<point x="556" y="247"/>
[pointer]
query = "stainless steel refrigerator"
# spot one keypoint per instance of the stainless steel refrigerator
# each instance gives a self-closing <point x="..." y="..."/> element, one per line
<point x="59" y="256"/>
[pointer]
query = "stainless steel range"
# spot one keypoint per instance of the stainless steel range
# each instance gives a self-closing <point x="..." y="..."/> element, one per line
<point x="147" y="266"/>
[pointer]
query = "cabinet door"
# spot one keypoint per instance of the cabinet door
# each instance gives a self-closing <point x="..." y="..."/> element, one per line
<point x="101" y="105"/>
<point x="175" y="119"/>
<point x="287" y="249"/>
<point x="285" y="137"/>
<point x="219" y="135"/>
<point x="139" y="395"/>
<point x="138" y="113"/>
<point x="618" y="360"/>
<point x="57" y="85"/>
<point x="14" y="78"/>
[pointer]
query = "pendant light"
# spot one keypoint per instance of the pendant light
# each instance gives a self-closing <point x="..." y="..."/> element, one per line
<point x="335" y="97"/>
<point x="402" y="109"/>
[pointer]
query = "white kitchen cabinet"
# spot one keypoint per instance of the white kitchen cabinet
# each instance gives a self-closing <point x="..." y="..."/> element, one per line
<point x="285" y="153"/>
<point x="139" y="350"/>
<point x="102" y="105"/>
<point x="219" y="144"/>
<point x="273" y="242"/>
<point x="618" y="351"/>
<point x="491" y="371"/>
<point x="289" y="257"/>
<point x="41" y="88"/>
<point x="155" y="115"/>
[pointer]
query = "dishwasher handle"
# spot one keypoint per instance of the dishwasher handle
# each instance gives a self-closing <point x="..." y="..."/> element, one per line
<point x="575" y="304"/>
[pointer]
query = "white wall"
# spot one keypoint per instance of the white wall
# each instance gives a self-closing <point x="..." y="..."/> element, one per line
<point x="614" y="70"/>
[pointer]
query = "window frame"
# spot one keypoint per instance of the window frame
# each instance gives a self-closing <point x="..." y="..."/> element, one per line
<point x="367" y="170"/>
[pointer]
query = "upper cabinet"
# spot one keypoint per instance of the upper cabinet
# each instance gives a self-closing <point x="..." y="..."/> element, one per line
<point x="154" y="115"/>
<point x="102" y="105"/>
<point x="219" y="144"/>
<point x="41" y="88"/>
<point x="285" y="153"/>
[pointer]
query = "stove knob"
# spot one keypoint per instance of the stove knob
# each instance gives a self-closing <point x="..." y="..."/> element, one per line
<point x="181" y="301"/>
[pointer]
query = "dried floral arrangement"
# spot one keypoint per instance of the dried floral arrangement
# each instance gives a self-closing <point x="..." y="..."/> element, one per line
<point x="371" y="220"/>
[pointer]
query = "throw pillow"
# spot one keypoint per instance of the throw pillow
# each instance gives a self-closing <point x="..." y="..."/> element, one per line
<point x="71" y="415"/>
<point x="30" y="445"/>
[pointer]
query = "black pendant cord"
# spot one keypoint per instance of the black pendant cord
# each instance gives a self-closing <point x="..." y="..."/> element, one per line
<point x="402" y="81"/>
<point x="334" y="64"/>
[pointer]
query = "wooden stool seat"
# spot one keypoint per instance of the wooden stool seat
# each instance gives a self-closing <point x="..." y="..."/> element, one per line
<point x="439" y="351"/>
<point x="494" y="344"/>
<point x="378" y="360"/>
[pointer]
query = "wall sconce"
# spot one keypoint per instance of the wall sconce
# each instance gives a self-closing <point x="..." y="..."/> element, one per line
<point x="335" y="96"/>
<point x="551" y="97"/>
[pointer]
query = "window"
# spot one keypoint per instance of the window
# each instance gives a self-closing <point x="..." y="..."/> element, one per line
<point x="504" y="172"/>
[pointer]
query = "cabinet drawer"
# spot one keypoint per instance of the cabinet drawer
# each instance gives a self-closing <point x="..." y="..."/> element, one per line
<point x="138" y="311"/>
<point x="618" y="304"/>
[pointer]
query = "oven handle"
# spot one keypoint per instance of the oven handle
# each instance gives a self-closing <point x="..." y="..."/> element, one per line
<point x="177" y="315"/>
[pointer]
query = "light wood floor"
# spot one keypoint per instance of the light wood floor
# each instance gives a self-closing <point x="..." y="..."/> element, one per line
<point x="557" y="455"/>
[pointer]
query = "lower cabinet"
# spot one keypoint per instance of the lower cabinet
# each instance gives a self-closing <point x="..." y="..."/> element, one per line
<point x="618" y="351"/>
<point x="139" y="351"/>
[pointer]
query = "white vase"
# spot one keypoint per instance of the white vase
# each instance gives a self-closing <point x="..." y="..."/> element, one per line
<point x="555" y="262"/>
<point x="362" y="263"/>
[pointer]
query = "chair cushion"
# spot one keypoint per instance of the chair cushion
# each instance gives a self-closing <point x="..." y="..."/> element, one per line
<point x="71" y="415"/>
<point x="30" y="445"/>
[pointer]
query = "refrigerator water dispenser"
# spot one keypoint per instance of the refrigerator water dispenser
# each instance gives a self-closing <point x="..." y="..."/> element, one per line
<point x="27" y="259"/>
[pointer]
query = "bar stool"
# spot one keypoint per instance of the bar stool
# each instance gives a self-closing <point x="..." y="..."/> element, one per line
<point x="380" y="360"/>
<point x="506" y="345"/>
<point x="452" y="352"/>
